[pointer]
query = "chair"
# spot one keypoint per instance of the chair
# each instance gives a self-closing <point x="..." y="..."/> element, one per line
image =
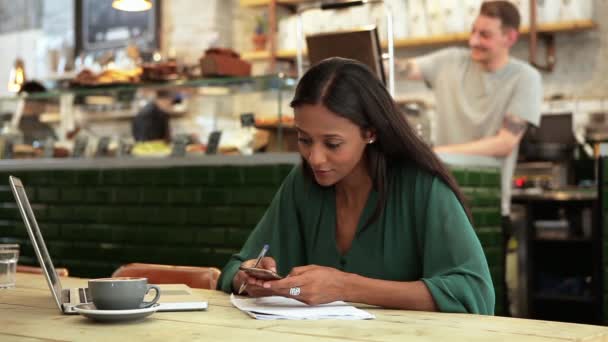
<point x="195" y="277"/>
<point x="62" y="272"/>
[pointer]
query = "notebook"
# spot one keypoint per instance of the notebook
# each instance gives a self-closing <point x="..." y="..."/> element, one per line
<point x="275" y="307"/>
<point x="173" y="297"/>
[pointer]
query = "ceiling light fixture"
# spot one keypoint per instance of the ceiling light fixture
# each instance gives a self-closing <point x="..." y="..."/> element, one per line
<point x="132" y="5"/>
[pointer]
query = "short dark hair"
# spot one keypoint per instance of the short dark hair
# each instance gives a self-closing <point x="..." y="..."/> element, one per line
<point x="503" y="10"/>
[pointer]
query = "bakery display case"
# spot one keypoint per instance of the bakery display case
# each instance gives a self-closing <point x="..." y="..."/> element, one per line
<point x="91" y="118"/>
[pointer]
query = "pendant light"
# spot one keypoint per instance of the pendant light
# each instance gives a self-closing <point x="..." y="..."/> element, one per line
<point x="16" y="77"/>
<point x="132" y="5"/>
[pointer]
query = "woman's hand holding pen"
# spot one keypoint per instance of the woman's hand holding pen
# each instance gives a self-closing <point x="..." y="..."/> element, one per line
<point x="317" y="284"/>
<point x="254" y="286"/>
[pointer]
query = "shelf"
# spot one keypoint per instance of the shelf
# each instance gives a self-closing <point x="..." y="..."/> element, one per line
<point x="259" y="3"/>
<point x="564" y="298"/>
<point x="565" y="26"/>
<point x="563" y="241"/>
<point x="256" y="83"/>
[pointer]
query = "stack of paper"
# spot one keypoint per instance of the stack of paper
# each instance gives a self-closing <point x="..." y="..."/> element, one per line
<point x="286" y="308"/>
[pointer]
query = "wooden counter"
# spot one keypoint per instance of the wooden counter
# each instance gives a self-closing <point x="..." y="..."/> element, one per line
<point x="28" y="312"/>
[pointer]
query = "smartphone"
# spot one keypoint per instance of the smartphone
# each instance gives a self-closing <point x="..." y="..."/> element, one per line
<point x="261" y="273"/>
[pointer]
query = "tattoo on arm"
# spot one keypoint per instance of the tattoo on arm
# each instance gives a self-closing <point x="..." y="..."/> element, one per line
<point x="514" y="125"/>
<point x="405" y="68"/>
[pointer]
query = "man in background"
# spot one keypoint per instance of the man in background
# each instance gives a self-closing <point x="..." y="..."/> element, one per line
<point x="485" y="98"/>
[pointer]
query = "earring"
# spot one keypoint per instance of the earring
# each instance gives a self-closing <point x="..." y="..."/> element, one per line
<point x="371" y="141"/>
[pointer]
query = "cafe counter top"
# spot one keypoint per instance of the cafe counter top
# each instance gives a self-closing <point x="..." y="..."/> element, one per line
<point x="207" y="160"/>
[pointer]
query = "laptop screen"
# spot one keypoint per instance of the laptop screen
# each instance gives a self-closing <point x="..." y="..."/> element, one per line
<point x="36" y="237"/>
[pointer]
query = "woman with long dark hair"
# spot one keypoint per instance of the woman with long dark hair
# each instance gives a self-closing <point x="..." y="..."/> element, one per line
<point x="371" y="215"/>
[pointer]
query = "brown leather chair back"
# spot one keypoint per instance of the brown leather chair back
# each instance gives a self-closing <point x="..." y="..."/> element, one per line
<point x="195" y="277"/>
<point x="62" y="272"/>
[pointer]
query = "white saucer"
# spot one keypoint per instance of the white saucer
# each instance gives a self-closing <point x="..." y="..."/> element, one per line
<point x="90" y="311"/>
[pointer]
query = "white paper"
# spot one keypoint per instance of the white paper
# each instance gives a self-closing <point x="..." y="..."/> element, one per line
<point x="276" y="307"/>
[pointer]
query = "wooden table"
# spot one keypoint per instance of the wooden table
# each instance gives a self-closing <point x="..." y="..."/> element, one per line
<point x="28" y="313"/>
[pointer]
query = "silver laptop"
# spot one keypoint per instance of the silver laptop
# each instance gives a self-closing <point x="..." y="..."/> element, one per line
<point x="173" y="297"/>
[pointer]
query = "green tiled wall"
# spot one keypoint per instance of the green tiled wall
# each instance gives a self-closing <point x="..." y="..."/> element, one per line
<point x="481" y="187"/>
<point x="96" y="220"/>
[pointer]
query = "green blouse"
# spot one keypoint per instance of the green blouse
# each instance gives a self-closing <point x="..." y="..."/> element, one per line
<point x="423" y="234"/>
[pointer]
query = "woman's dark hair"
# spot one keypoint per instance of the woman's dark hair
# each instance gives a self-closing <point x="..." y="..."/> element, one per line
<point x="350" y="89"/>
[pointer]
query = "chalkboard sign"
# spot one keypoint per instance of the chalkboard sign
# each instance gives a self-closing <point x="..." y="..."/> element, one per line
<point x="213" y="142"/>
<point x="247" y="120"/>
<point x="99" y="26"/>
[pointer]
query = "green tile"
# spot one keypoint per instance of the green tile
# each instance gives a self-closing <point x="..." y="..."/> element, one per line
<point x="60" y="213"/>
<point x="226" y="215"/>
<point x="211" y="236"/>
<point x="198" y="216"/>
<point x="494" y="255"/>
<point x="50" y="231"/>
<point x="138" y="215"/>
<point x="237" y="237"/>
<point x="184" y="196"/>
<point x="124" y="234"/>
<point x="253" y="215"/>
<point x="150" y="195"/>
<point x="195" y="175"/>
<point x="284" y="170"/>
<point x="63" y="177"/>
<point x="40" y="211"/>
<point x="72" y="232"/>
<point x="111" y="214"/>
<point x="34" y="177"/>
<point x="31" y="194"/>
<point x="47" y="195"/>
<point x="6" y="195"/>
<point x="460" y="175"/>
<point x="227" y="175"/>
<point x="220" y="256"/>
<point x="180" y="236"/>
<point x="483" y="217"/>
<point x="260" y="175"/>
<point x="252" y="195"/>
<point x="110" y="252"/>
<point x="486" y="198"/>
<point x="153" y="235"/>
<point x="140" y="177"/>
<point x="112" y="177"/>
<point x="126" y="195"/>
<point x="59" y="249"/>
<point x="7" y="228"/>
<point x="88" y="177"/>
<point x="473" y="177"/>
<point x="490" y="236"/>
<point x="72" y="194"/>
<point x="86" y="213"/>
<point x="97" y="232"/>
<point x="169" y="176"/>
<point x="216" y="195"/>
<point x="172" y="216"/>
<point x="20" y="231"/>
<point x="101" y="195"/>
<point x="490" y="178"/>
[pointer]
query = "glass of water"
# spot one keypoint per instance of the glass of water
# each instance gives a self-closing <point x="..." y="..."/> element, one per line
<point x="9" y="254"/>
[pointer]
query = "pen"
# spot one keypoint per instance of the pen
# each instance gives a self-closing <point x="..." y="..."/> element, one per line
<point x="257" y="262"/>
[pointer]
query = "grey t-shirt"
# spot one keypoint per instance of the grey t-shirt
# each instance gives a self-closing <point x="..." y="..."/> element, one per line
<point x="472" y="103"/>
